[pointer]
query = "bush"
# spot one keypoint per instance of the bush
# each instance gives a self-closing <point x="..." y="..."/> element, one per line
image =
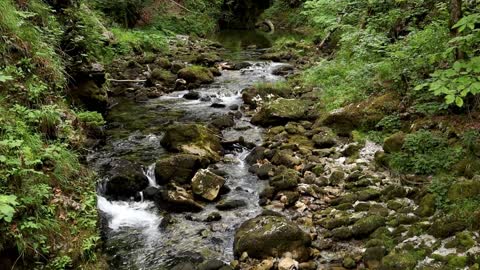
<point x="425" y="153"/>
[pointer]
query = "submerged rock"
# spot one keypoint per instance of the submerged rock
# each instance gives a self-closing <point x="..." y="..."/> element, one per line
<point x="192" y="139"/>
<point x="179" y="168"/>
<point x="230" y="204"/>
<point x="192" y="95"/>
<point x="267" y="236"/>
<point x="207" y="184"/>
<point x="281" y="111"/>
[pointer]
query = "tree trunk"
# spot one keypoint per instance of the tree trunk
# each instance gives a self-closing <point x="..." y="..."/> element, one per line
<point x="455" y="16"/>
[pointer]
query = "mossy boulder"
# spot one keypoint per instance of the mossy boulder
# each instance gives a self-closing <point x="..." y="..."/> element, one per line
<point x="193" y="139"/>
<point x="426" y="206"/>
<point x="207" y="184"/>
<point x="447" y="226"/>
<point x="365" y="114"/>
<point x="285" y="157"/>
<point x="367" y="225"/>
<point x="162" y="75"/>
<point x="394" y="142"/>
<point x="286" y="179"/>
<point x="271" y="236"/>
<point x="461" y="190"/>
<point x="207" y="59"/>
<point x="179" y="168"/>
<point x="399" y="261"/>
<point x="325" y="138"/>
<point x="196" y="75"/>
<point x="281" y="111"/>
<point x="126" y="179"/>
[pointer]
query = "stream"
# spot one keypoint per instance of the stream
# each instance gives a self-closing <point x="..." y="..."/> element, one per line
<point x="135" y="230"/>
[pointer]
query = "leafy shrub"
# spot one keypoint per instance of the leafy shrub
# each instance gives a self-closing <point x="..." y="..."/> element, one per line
<point x="91" y="118"/>
<point x="425" y="153"/>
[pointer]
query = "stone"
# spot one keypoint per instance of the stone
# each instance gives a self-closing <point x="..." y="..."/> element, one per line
<point x="283" y="70"/>
<point x="394" y="143"/>
<point x="177" y="199"/>
<point x="285" y="180"/>
<point x="264" y="265"/>
<point x="223" y="121"/>
<point x="163" y="75"/>
<point x="207" y="184"/>
<point x="281" y="111"/>
<point x="399" y="261"/>
<point x="179" y="168"/>
<point x="373" y="256"/>
<point x="287" y="264"/>
<point x="126" y="180"/>
<point x="271" y="236"/>
<point x="192" y="95"/>
<point x="285" y="157"/>
<point x="349" y="263"/>
<point x="230" y="204"/>
<point x="342" y="233"/>
<point x="325" y="138"/>
<point x="196" y="74"/>
<point x="213" y="264"/>
<point x="214" y="216"/>
<point x="461" y="190"/>
<point x="365" y="226"/>
<point x="446" y="226"/>
<point x="255" y="155"/>
<point x="193" y="139"/>
<point x="336" y="177"/>
<point x="426" y="206"/>
<point x="207" y="59"/>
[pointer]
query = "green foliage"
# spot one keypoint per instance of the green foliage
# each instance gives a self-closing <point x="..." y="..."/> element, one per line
<point x="457" y="83"/>
<point x="425" y="153"/>
<point x="129" y="41"/>
<point x="61" y="262"/>
<point x="124" y="12"/>
<point x="7" y="203"/>
<point x="389" y="123"/>
<point x="440" y="186"/>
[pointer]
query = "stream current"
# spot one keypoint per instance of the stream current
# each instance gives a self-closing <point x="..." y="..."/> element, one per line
<point x="135" y="237"/>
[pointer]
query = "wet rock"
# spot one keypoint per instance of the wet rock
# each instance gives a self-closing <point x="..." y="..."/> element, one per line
<point x="230" y="204"/>
<point x="215" y="71"/>
<point x="283" y="70"/>
<point x="179" y="168"/>
<point x="149" y="193"/>
<point x="234" y="107"/>
<point x="256" y="154"/>
<point x="196" y="75"/>
<point x="184" y="266"/>
<point x="223" y="121"/>
<point x="214" y="216"/>
<point x="265" y="171"/>
<point x="218" y="105"/>
<point x="192" y="139"/>
<point x="285" y="180"/>
<point x="394" y="143"/>
<point x="446" y="226"/>
<point x="281" y="111"/>
<point x="177" y="199"/>
<point x="241" y="65"/>
<point x="192" y="95"/>
<point x="267" y="236"/>
<point x="289" y="198"/>
<point x="349" y="263"/>
<point x="365" y="226"/>
<point x="207" y="184"/>
<point x="126" y="180"/>
<point x="286" y="158"/>
<point x="373" y="257"/>
<point x="311" y="265"/>
<point x="399" y="261"/>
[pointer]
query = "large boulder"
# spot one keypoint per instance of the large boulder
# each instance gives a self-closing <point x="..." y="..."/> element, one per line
<point x="466" y="189"/>
<point x="281" y="111"/>
<point x="179" y="168"/>
<point x="365" y="114"/>
<point x="394" y="142"/>
<point x="193" y="139"/>
<point x="177" y="199"/>
<point x="207" y="184"/>
<point x="126" y="179"/>
<point x="196" y="74"/>
<point x="271" y="236"/>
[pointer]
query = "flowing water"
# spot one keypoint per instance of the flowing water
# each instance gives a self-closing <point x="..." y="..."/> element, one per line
<point x="136" y="237"/>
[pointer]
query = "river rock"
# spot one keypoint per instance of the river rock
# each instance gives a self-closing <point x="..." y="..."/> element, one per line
<point x="207" y="184"/>
<point x="223" y="121"/>
<point x="325" y="138"/>
<point x="286" y="157"/>
<point x="230" y="204"/>
<point x="193" y="139"/>
<point x="179" y="168"/>
<point x="281" y="111"/>
<point x="365" y="226"/>
<point x="284" y="180"/>
<point x="283" y="70"/>
<point x="256" y="154"/>
<point x="177" y="199"/>
<point x="196" y="75"/>
<point x="192" y="95"/>
<point x="271" y="236"/>
<point x="126" y="180"/>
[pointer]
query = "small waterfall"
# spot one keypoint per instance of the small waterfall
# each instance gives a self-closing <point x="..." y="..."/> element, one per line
<point x="150" y="174"/>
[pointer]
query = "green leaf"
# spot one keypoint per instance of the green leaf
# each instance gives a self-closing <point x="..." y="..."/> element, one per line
<point x="459" y="101"/>
<point x="449" y="99"/>
<point x="3" y="158"/>
<point x="7" y="202"/>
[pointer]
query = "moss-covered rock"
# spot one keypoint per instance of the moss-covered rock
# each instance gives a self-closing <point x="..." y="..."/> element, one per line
<point x="394" y="142"/>
<point x="285" y="157"/>
<point x="399" y="261"/>
<point x="162" y="75"/>
<point x="325" y="138"/>
<point x="461" y="190"/>
<point x="286" y="179"/>
<point x="365" y="226"/>
<point x="447" y="226"/>
<point x="365" y="114"/>
<point x="193" y="139"/>
<point x="281" y="111"/>
<point x="427" y="205"/>
<point x="271" y="236"/>
<point x="179" y="168"/>
<point x="207" y="184"/>
<point x="196" y="74"/>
